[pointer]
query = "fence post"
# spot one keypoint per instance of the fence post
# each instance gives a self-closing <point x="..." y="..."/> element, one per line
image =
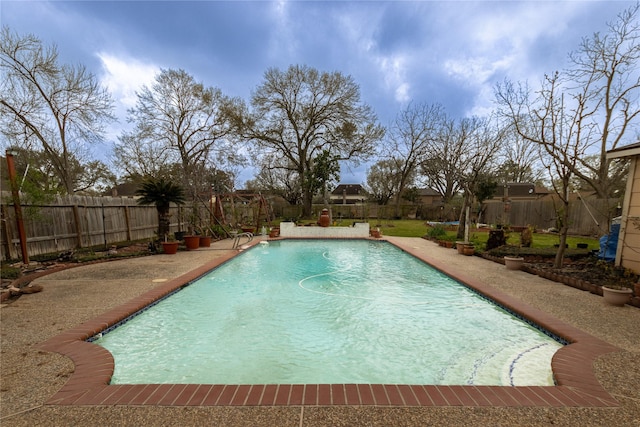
<point x="76" y="219"/>
<point x="15" y="192"/>
<point x="127" y="221"/>
<point x="6" y="233"/>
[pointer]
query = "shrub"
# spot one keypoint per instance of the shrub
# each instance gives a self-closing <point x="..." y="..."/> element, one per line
<point x="436" y="232"/>
<point x="526" y="237"/>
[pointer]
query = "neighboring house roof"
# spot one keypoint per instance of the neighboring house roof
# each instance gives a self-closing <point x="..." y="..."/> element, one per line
<point x="624" y="151"/>
<point x="348" y="189"/>
<point x="128" y="189"/>
<point x="428" y="192"/>
<point x="517" y="189"/>
<point x="542" y="191"/>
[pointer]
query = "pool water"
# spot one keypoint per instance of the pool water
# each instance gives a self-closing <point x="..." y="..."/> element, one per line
<point x="328" y="311"/>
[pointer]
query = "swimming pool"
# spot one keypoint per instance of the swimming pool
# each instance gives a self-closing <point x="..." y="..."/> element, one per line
<point x="300" y="312"/>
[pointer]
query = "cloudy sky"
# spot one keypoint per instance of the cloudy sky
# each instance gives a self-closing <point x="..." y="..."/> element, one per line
<point x="447" y="52"/>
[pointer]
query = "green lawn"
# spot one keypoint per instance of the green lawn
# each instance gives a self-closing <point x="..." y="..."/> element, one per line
<point x="418" y="228"/>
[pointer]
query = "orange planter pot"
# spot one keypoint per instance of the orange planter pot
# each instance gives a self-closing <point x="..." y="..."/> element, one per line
<point x="192" y="242"/>
<point x="205" y="241"/>
<point x="170" y="248"/>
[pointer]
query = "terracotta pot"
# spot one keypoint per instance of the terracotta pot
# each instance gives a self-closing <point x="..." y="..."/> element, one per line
<point x="192" y="242"/>
<point x="636" y="289"/>
<point x="170" y="248"/>
<point x="275" y="232"/>
<point x="324" y="220"/>
<point x="513" y="263"/>
<point x="468" y="250"/>
<point x="205" y="241"/>
<point x="617" y="297"/>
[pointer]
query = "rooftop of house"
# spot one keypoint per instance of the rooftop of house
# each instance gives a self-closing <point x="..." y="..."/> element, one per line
<point x="348" y="189"/>
<point x="624" y="151"/>
<point x="428" y="192"/>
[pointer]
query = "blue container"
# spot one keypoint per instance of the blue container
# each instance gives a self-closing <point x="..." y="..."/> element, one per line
<point x="609" y="244"/>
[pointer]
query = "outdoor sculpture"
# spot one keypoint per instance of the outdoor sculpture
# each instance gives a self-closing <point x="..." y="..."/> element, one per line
<point x="324" y="219"/>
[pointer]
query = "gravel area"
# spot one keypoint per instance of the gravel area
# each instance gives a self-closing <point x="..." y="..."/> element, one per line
<point x="29" y="377"/>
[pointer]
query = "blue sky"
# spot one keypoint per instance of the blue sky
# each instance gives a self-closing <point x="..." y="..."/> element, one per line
<point x="447" y="52"/>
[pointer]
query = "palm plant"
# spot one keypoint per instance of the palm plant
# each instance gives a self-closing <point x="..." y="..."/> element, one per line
<point x="157" y="191"/>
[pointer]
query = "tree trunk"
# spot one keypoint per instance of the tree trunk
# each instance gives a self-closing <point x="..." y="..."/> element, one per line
<point x="164" y="223"/>
<point x="462" y="219"/>
<point x="307" y="204"/>
<point x="564" y="229"/>
<point x="557" y="263"/>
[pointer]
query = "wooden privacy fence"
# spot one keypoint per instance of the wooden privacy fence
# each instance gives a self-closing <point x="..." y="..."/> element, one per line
<point x="588" y="217"/>
<point x="71" y="222"/>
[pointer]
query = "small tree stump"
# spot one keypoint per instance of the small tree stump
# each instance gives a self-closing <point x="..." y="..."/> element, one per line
<point x="496" y="239"/>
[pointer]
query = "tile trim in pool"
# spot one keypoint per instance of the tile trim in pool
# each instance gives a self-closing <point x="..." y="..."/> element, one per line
<point x="576" y="386"/>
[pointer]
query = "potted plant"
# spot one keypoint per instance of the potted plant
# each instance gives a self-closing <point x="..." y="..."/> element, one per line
<point x="513" y="262"/>
<point x="468" y="249"/>
<point x="616" y="295"/>
<point x="205" y="238"/>
<point x="465" y="248"/>
<point x="192" y="242"/>
<point x="170" y="247"/>
<point x="157" y="191"/>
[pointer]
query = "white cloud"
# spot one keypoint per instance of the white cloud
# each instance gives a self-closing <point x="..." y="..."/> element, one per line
<point x="503" y="42"/>
<point x="393" y="70"/>
<point x="359" y="30"/>
<point x="123" y="77"/>
<point x="283" y="40"/>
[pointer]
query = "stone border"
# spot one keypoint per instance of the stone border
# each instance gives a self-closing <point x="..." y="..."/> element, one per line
<point x="89" y="384"/>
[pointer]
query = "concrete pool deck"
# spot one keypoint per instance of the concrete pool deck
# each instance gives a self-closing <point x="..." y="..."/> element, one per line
<point x="32" y="377"/>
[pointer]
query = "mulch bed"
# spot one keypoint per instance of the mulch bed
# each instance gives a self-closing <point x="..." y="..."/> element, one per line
<point x="583" y="272"/>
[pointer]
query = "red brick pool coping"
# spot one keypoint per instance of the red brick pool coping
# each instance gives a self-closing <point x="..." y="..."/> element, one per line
<point x="576" y="384"/>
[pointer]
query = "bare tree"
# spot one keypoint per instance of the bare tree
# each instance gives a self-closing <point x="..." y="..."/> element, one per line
<point x="604" y="83"/>
<point x="383" y="180"/>
<point x="177" y="120"/>
<point x="601" y="93"/>
<point x="560" y="132"/>
<point x="440" y="167"/>
<point x="479" y="139"/>
<point x="276" y="177"/>
<point x="51" y="107"/>
<point x="140" y="156"/>
<point x="299" y="113"/>
<point x="411" y="139"/>
<point x="519" y="159"/>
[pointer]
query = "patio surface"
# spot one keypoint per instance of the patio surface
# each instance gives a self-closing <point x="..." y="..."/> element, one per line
<point x="34" y="379"/>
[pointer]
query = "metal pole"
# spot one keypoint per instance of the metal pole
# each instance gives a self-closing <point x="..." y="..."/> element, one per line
<point x="18" y="208"/>
<point x="587" y="208"/>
